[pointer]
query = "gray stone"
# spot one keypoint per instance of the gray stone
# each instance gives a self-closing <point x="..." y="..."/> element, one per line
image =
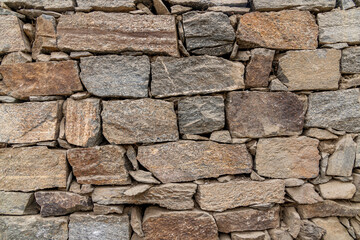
<point x="255" y="235"/>
<point x="310" y="231"/>
<point x="337" y="109"/>
<point x="350" y="60"/>
<point x="279" y="234"/>
<point x="277" y="86"/>
<point x="292" y="220"/>
<point x="131" y="155"/>
<point x="222" y="136"/>
<point x="143" y="177"/>
<point x="178" y="9"/>
<point x="345" y="4"/>
<point x="17" y="203"/>
<point x="208" y="33"/>
<point x="195" y="75"/>
<point x="357" y="154"/>
<point x="356" y="182"/>
<point x="108" y="209"/>
<point x="314" y="5"/>
<point x="304" y="194"/>
<point x="199" y="4"/>
<point x="13" y="38"/>
<point x="229" y="10"/>
<point x="198" y="115"/>
<point x="116" y="76"/>
<point x="293" y="182"/>
<point x="107" y="5"/>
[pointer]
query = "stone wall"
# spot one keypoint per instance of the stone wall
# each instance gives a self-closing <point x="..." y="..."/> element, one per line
<point x="179" y="119"/>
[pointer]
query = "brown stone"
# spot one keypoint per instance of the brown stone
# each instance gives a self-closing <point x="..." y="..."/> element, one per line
<point x="101" y="165"/>
<point x="329" y="208"/>
<point x="264" y="114"/>
<point x="23" y="80"/>
<point x="288" y="29"/>
<point x="292" y="220"/>
<point x="304" y="194"/>
<point x="247" y="219"/>
<point x="191" y="225"/>
<point x="143" y="177"/>
<point x="83" y="123"/>
<point x="310" y="231"/>
<point x="118" y="32"/>
<point x="13" y="38"/>
<point x="57" y="203"/>
<point x="32" y="168"/>
<point x="239" y="193"/>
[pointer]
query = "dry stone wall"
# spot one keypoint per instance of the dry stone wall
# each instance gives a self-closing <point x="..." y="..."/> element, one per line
<point x="179" y="119"/>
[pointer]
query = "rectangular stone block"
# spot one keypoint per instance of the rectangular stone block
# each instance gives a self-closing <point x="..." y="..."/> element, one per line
<point x="108" y="5"/>
<point x="17" y="203"/>
<point x="101" y="32"/>
<point x="329" y="208"/>
<point x="12" y="38"/>
<point x="51" y="5"/>
<point x="274" y="5"/>
<point x="350" y="60"/>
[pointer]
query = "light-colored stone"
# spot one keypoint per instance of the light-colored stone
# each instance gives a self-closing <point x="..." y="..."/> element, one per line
<point x="107" y="209"/>
<point x="136" y="220"/>
<point x="350" y="60"/>
<point x="160" y="7"/>
<point x="277" y="86"/>
<point x="61" y="6"/>
<point x="310" y="231"/>
<point x="292" y="220"/>
<point x="143" y="177"/>
<point x="279" y="234"/>
<point x="356" y="182"/>
<point x="222" y="136"/>
<point x="329" y="208"/>
<point x="137" y="189"/>
<point x="334" y="229"/>
<point x="337" y="190"/>
<point x="229" y="10"/>
<point x="59" y="56"/>
<point x="314" y="6"/>
<point x="256" y="235"/>
<point x="107" y="5"/>
<point x="304" y="194"/>
<point x="320" y="134"/>
<point x="13" y="38"/>
<point x="349" y="81"/>
<point x="208" y="3"/>
<point x="345" y="4"/>
<point x="16" y="57"/>
<point x="17" y="203"/>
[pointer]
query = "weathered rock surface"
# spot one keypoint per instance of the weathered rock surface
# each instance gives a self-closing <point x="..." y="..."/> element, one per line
<point x="284" y="30"/>
<point x="292" y="220"/>
<point x="247" y="219"/>
<point x="208" y="33"/>
<point x="356" y="182"/>
<point x="136" y="220"/>
<point x="255" y="235"/>
<point x="107" y="209"/>
<point x="320" y="134"/>
<point x="239" y="193"/>
<point x="295" y="157"/>
<point x="304" y="194"/>
<point x="108" y="5"/>
<point x="334" y="229"/>
<point x="164" y="224"/>
<point x="262" y="114"/>
<point x="328" y="208"/>
<point x="208" y="3"/>
<point x="310" y="231"/>
<point x="17" y="203"/>
<point x="107" y="227"/>
<point x="184" y="161"/>
<point x="195" y="75"/>
<point x="116" y="76"/>
<point x="279" y="234"/>
<point x="314" y="6"/>
<point x="83" y="123"/>
<point x="172" y="196"/>
<point x="139" y="121"/>
<point x="137" y="189"/>
<point x="16" y="57"/>
<point x="101" y="165"/>
<point x="57" y="203"/>
<point x="33" y="227"/>
<point x="23" y="80"/>
<point x="310" y="69"/>
<point x="201" y="114"/>
<point x="32" y="168"/>
<point x="143" y="177"/>
<point x="13" y="38"/>
<point x="339" y="26"/>
<point x="339" y="110"/>
<point x="337" y="190"/>
<point x="350" y="60"/>
<point x="61" y="6"/>
<point x="118" y="32"/>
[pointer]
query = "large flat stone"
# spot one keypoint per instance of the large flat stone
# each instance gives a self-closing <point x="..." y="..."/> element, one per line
<point x="101" y="165"/>
<point x="101" y="32"/>
<point x="350" y="60"/>
<point x="334" y="229"/>
<point x="13" y="38"/>
<point x="17" y="203"/>
<point x="23" y="80"/>
<point x="295" y="157"/>
<point x="185" y="161"/>
<point x="284" y="30"/>
<point x="337" y="109"/>
<point x="32" y="168"/>
<point x="239" y="193"/>
<point x="310" y="69"/>
<point x="139" y="121"/>
<point x="60" y="6"/>
<point x="195" y="75"/>
<point x="108" y="5"/>
<point x="314" y="5"/>
<point x="328" y="208"/>
<point x="304" y="194"/>
<point x="160" y="223"/>
<point x="116" y="76"/>
<point x="337" y="190"/>
<point x="263" y="114"/>
<point x="171" y="196"/>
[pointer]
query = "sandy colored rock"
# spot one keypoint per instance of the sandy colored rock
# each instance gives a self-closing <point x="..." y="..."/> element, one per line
<point x="209" y="3"/>
<point x="334" y="229"/>
<point x="328" y="208"/>
<point x="195" y="75"/>
<point x="17" y="203"/>
<point x="284" y="30"/>
<point x="349" y="81"/>
<point x="172" y="196"/>
<point x="356" y="182"/>
<point x="107" y="209"/>
<point x="310" y="231"/>
<point x="164" y="224"/>
<point x="160" y="7"/>
<point x="16" y="57"/>
<point x="20" y="173"/>
<point x="310" y="69"/>
<point x="304" y="194"/>
<point x="136" y="220"/>
<point x="139" y="121"/>
<point x="108" y="5"/>
<point x="337" y="190"/>
<point x="222" y="136"/>
<point x="314" y="6"/>
<point x="13" y="38"/>
<point x="137" y="190"/>
<point x="256" y="235"/>
<point x="292" y="221"/>
<point x="61" y="6"/>
<point x="320" y="134"/>
<point x="100" y="32"/>
<point x="239" y="193"/>
<point x="83" y="123"/>
<point x="184" y="161"/>
<point x="350" y="60"/>
<point x="143" y="177"/>
<point x="264" y="114"/>
<point x="100" y="165"/>
<point x="279" y="234"/>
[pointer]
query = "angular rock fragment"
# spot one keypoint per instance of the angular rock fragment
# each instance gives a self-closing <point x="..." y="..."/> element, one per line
<point x="222" y="136"/>
<point x="310" y="231"/>
<point x="255" y="235"/>
<point x="143" y="177"/>
<point x="200" y="4"/>
<point x="137" y="190"/>
<point x="337" y="190"/>
<point x="184" y="161"/>
<point x="108" y="6"/>
<point x="328" y="208"/>
<point x="16" y="57"/>
<point x="13" y="38"/>
<point x="60" y="6"/>
<point x="334" y="229"/>
<point x="195" y="75"/>
<point x="279" y="234"/>
<point x="356" y="182"/>
<point x="292" y="220"/>
<point x="320" y="134"/>
<point x="136" y="220"/>
<point x="45" y="35"/>
<point x="17" y="203"/>
<point x="350" y="60"/>
<point x="349" y="81"/>
<point x="107" y="209"/>
<point x="304" y="194"/>
<point x="314" y="6"/>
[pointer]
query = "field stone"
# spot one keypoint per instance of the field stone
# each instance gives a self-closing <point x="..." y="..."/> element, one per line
<point x="334" y="229"/>
<point x="310" y="231"/>
<point x="200" y="4"/>
<point x="136" y="220"/>
<point x="13" y="38"/>
<point x="356" y="182"/>
<point x="60" y="6"/>
<point x="17" y="203"/>
<point x="107" y="209"/>
<point x="350" y="60"/>
<point x="137" y="189"/>
<point x="328" y="208"/>
<point x="349" y="81"/>
<point x="107" y="5"/>
<point x="292" y="220"/>
<point x="304" y="194"/>
<point x="320" y="134"/>
<point x="16" y="57"/>
<point x="143" y="177"/>
<point x="255" y="235"/>
<point x="314" y="6"/>
<point x="337" y="190"/>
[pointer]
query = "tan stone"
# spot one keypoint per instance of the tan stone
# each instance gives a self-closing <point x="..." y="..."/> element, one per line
<point x="13" y="38"/>
<point x="292" y="220"/>
<point x="337" y="190"/>
<point x="16" y="57"/>
<point x="320" y="134"/>
<point x="137" y="189"/>
<point x="329" y="208"/>
<point x="17" y="203"/>
<point x="160" y="7"/>
<point x="136" y="220"/>
<point x="107" y="209"/>
<point x="334" y="229"/>
<point x="108" y="6"/>
<point x="304" y="194"/>
<point x="143" y="177"/>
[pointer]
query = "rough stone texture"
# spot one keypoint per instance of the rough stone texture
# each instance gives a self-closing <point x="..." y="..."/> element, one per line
<point x="256" y="235"/>
<point x="63" y="5"/>
<point x="19" y="172"/>
<point x="164" y="224"/>
<point x="93" y="227"/>
<point x="23" y="80"/>
<point x="139" y="121"/>
<point x="33" y="227"/>
<point x="107" y="5"/>
<point x="304" y="194"/>
<point x="310" y="69"/>
<point x="208" y="33"/>
<point x="143" y="177"/>
<point x="172" y="196"/>
<point x="195" y="75"/>
<point x="339" y="26"/>
<point x="284" y="30"/>
<point x="16" y="57"/>
<point x="320" y="134"/>
<point x="356" y="182"/>
<point x="239" y="193"/>
<point x="57" y="203"/>
<point x="100" y="32"/>
<point x="116" y="76"/>
<point x="310" y="231"/>
<point x="337" y="190"/>
<point x="100" y="165"/>
<point x="105" y="209"/>
<point x="350" y="60"/>
<point x="208" y="3"/>
<point x="137" y="189"/>
<point x="339" y="110"/>
<point x="198" y="115"/>
<point x="191" y="160"/>
<point x="328" y="208"/>
<point x="263" y="114"/>
<point x="279" y="234"/>
<point x="17" y="203"/>
<point x="13" y="38"/>
<point x="136" y="220"/>
<point x="292" y="220"/>
<point x="314" y="6"/>
<point x="334" y="229"/>
<point x="83" y="123"/>
<point x="247" y="219"/>
<point x="295" y="157"/>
